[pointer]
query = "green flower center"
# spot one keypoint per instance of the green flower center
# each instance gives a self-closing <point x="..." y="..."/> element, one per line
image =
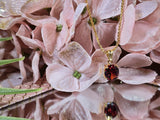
<point x="76" y="74"/>
<point x="59" y="28"/>
<point x="94" y="21"/>
<point x="84" y="11"/>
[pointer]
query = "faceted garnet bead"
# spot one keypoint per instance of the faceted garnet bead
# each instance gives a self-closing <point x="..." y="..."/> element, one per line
<point x="111" y="110"/>
<point x="111" y="72"/>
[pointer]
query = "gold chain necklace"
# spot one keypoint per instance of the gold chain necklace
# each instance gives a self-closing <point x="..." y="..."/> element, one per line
<point x="111" y="71"/>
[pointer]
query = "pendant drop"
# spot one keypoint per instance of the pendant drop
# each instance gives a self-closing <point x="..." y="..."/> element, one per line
<point x="110" y="110"/>
<point x="111" y="72"/>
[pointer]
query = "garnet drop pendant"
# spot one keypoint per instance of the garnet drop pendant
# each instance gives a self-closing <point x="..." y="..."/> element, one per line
<point x="111" y="72"/>
<point x="110" y="110"/>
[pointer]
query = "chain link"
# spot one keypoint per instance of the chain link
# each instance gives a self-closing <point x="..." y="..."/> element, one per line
<point x="106" y="52"/>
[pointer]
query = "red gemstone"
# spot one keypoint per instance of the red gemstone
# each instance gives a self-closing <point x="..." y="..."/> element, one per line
<point x="111" y="109"/>
<point x="111" y="72"/>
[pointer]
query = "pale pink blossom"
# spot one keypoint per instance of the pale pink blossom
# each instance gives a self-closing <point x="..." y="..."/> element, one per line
<point x="19" y="52"/>
<point x="12" y="11"/>
<point x="138" y="34"/>
<point x="35" y="66"/>
<point x="155" y="55"/>
<point x="133" y="102"/>
<point x="35" y="5"/>
<point x="74" y="67"/>
<point x="75" y="60"/>
<point x="131" y="69"/>
<point x="101" y="10"/>
<point x="81" y="105"/>
<point x="154" y="18"/>
<point x="51" y="38"/>
<point x="25" y="33"/>
<point x="154" y="108"/>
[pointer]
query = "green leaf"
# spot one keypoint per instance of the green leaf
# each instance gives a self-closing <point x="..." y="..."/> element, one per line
<point x="6" y="39"/>
<point x="11" y="118"/>
<point x="9" y="91"/>
<point x="4" y="62"/>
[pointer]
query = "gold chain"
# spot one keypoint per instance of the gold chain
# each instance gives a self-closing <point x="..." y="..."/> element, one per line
<point x="108" y="53"/>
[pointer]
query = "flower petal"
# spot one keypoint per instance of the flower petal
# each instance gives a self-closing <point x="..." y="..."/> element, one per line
<point x="155" y="56"/>
<point x="18" y="49"/>
<point x="154" y="17"/>
<point x="63" y="35"/>
<point x="132" y="2"/>
<point x="61" y="78"/>
<point x="77" y="14"/>
<point x="155" y="104"/>
<point x="128" y="24"/>
<point x="89" y="76"/>
<point x="138" y="61"/>
<point x="98" y="117"/>
<point x="144" y="38"/>
<point x="106" y="9"/>
<point x="22" y="68"/>
<point x="24" y="34"/>
<point x="35" y="5"/>
<point x="91" y="101"/>
<point x="75" y="111"/>
<point x="38" y="110"/>
<point x="49" y="36"/>
<point x="144" y="27"/>
<point x="36" y="33"/>
<point x="35" y="66"/>
<point x="75" y="57"/>
<point x="55" y="108"/>
<point x="2" y="51"/>
<point x="12" y="7"/>
<point x="132" y="110"/>
<point x="142" y="12"/>
<point x="103" y="90"/>
<point x="61" y="95"/>
<point x="106" y="34"/>
<point x="57" y="8"/>
<point x="156" y="113"/>
<point x="82" y="36"/>
<point x="7" y="23"/>
<point x="136" y="92"/>
<point x="68" y="12"/>
<point x="136" y="76"/>
<point x="38" y="20"/>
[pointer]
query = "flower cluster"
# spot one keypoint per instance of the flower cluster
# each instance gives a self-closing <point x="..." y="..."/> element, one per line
<point x="58" y="42"/>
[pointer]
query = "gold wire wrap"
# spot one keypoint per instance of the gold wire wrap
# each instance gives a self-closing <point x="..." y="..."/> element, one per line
<point x="107" y="52"/>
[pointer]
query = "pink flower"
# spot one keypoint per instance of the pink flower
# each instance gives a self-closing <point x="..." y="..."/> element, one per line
<point x="130" y="66"/>
<point x="79" y="106"/>
<point x="139" y="34"/>
<point x="11" y="11"/>
<point x="155" y="55"/>
<point x="76" y="72"/>
<point x="32" y="40"/>
<point x="101" y="10"/>
<point x="154" y="108"/>
<point x="133" y="102"/>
